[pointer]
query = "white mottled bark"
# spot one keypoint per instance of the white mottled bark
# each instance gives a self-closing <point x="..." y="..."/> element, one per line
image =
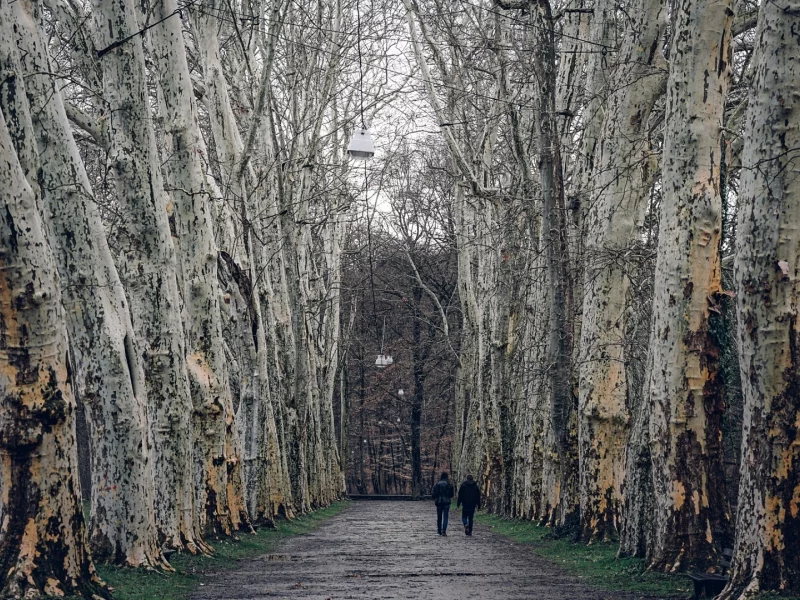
<point x="147" y="266"/>
<point x="686" y="399"/>
<point x="534" y="496"/>
<point x="38" y="457"/>
<point x="108" y="375"/>
<point x="230" y="149"/>
<point x="217" y="441"/>
<point x="767" y="271"/>
<point x="301" y="278"/>
<point x="616" y="203"/>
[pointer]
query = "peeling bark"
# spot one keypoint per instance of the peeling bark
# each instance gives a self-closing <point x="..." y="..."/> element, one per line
<point x="616" y="205"/>
<point x="218" y="451"/>
<point x="108" y="374"/>
<point x="43" y="548"/>
<point x="691" y="517"/>
<point x="148" y="268"/>
<point x="767" y="274"/>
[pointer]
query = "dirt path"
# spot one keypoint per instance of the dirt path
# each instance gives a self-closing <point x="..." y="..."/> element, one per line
<point x="391" y="550"/>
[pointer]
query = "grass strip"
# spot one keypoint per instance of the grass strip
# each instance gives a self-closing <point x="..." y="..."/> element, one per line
<point x="597" y="563"/>
<point x="143" y="584"/>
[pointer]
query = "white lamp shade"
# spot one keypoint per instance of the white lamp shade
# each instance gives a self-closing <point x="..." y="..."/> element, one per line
<point x="361" y="146"/>
<point x="383" y="361"/>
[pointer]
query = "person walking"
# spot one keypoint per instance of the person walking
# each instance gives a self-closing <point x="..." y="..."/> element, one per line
<point x="469" y="496"/>
<point x="442" y="494"/>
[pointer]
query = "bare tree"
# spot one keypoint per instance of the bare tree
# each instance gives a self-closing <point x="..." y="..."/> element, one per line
<point x="766" y="270"/>
<point x="38" y="471"/>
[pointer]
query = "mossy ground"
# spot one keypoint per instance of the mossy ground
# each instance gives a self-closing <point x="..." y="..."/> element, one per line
<point x="140" y="584"/>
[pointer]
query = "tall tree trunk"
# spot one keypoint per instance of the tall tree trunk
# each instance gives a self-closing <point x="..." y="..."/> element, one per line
<point x="555" y="247"/>
<point x="230" y="148"/>
<point x="108" y="373"/>
<point x="43" y="548"/>
<point x="147" y="265"/>
<point x="561" y="470"/>
<point x="767" y="271"/>
<point x="534" y="498"/>
<point x="216" y="436"/>
<point x="691" y="517"/>
<point x="616" y="200"/>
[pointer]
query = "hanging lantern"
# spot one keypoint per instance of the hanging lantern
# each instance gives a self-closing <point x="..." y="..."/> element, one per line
<point x="383" y="360"/>
<point x="361" y="146"/>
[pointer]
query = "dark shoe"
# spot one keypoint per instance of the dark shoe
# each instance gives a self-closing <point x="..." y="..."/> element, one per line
<point x="444" y="534"/>
<point x="466" y="530"/>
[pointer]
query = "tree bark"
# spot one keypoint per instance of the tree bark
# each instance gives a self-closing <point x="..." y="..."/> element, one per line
<point x="217" y="441"/>
<point x="235" y="175"/>
<point x="767" y="272"/>
<point x="147" y="266"/>
<point x="108" y="373"/>
<point x="43" y="548"/>
<point x="616" y="204"/>
<point x="691" y="517"/>
<point x="557" y="258"/>
<point x="561" y="465"/>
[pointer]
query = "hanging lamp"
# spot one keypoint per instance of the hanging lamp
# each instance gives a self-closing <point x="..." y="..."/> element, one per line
<point x="361" y="146"/>
<point x="383" y="360"/>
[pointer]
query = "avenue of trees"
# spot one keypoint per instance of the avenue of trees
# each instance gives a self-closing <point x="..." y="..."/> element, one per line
<point x="578" y="239"/>
<point x="625" y="202"/>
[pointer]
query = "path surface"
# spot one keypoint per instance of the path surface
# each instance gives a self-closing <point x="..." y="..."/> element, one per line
<point x="380" y="550"/>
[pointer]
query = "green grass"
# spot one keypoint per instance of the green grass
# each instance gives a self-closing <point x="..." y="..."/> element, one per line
<point x="141" y="584"/>
<point x="596" y="563"/>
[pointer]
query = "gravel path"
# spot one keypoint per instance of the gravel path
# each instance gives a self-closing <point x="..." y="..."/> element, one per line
<point x="391" y="550"/>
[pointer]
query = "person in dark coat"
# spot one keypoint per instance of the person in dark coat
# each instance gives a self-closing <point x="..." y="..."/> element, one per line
<point x="442" y="494"/>
<point x="469" y="497"/>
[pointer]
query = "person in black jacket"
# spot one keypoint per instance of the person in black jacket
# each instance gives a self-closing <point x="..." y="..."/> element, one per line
<point x="469" y="496"/>
<point x="442" y="494"/>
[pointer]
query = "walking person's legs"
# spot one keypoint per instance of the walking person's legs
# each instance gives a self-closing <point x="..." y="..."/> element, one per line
<point x="465" y="520"/>
<point x="470" y="517"/>
<point x="439" y="518"/>
<point x="445" y="516"/>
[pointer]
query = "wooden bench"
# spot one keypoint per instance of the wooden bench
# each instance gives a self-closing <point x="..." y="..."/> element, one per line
<point x="709" y="585"/>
